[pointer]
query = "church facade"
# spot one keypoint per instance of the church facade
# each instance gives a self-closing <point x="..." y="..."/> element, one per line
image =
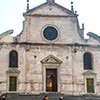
<point x="50" y="55"/>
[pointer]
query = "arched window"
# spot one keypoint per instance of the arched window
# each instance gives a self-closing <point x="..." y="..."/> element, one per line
<point x="13" y="59"/>
<point x="87" y="61"/>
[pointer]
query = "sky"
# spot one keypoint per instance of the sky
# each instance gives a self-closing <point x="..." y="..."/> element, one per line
<point x="11" y="13"/>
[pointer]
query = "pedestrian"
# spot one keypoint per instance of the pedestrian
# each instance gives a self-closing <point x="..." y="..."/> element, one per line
<point x="45" y="98"/>
<point x="61" y="98"/>
<point x="3" y="98"/>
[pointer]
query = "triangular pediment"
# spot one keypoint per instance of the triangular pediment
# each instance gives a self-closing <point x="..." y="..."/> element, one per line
<point x="89" y="72"/>
<point x="50" y="8"/>
<point x="51" y="60"/>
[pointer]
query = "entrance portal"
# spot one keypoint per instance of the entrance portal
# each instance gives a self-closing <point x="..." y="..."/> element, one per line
<point x="51" y="80"/>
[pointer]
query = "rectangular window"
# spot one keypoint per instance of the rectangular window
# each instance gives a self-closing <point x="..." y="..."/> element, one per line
<point x="90" y="85"/>
<point x="12" y="83"/>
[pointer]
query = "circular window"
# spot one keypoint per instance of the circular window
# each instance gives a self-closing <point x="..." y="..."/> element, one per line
<point x="50" y="33"/>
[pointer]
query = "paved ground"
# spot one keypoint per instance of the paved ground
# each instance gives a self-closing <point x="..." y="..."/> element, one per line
<point x="52" y="96"/>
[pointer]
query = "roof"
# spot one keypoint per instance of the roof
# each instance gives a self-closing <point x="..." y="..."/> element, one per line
<point x="54" y="4"/>
<point x="93" y="35"/>
<point x="6" y="33"/>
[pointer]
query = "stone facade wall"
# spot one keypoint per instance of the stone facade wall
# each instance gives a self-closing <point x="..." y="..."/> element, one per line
<point x="31" y="77"/>
<point x="36" y="54"/>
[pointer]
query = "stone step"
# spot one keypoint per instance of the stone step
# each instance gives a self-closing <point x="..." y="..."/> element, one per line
<point x="51" y="96"/>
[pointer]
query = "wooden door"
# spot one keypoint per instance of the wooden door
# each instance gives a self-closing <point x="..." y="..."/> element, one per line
<point x="51" y="80"/>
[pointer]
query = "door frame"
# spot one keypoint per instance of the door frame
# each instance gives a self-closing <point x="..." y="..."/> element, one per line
<point x="44" y="78"/>
<point x="50" y="62"/>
